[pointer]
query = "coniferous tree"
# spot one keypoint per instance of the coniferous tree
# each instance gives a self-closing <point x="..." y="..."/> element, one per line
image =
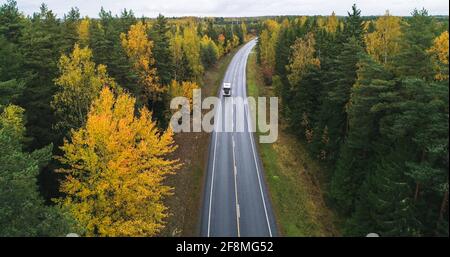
<point x="11" y="21"/>
<point x="385" y="206"/>
<point x="418" y="36"/>
<point x="69" y="29"/>
<point x="40" y="44"/>
<point x="161" y="50"/>
<point x="22" y="209"/>
<point x="357" y="153"/>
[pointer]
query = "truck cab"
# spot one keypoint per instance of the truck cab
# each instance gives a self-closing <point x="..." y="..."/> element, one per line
<point x="226" y="89"/>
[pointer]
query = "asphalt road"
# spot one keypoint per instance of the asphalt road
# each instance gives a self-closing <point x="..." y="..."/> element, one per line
<point x="235" y="199"/>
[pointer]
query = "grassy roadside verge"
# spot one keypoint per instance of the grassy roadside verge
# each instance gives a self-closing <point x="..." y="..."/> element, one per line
<point x="292" y="176"/>
<point x="185" y="204"/>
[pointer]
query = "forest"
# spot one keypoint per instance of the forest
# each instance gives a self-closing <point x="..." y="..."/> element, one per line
<point x="85" y="144"/>
<point x="84" y="103"/>
<point x="369" y="97"/>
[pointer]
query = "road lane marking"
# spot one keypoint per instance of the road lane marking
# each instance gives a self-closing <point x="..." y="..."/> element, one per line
<point x="233" y="61"/>
<point x="234" y="153"/>
<point x="235" y="188"/>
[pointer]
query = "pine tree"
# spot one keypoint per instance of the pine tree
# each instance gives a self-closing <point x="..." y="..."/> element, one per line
<point x="10" y="91"/>
<point x="11" y="21"/>
<point x="418" y="36"/>
<point x="69" y="29"/>
<point x="40" y="44"/>
<point x="385" y="206"/>
<point x="11" y="61"/>
<point x="339" y="80"/>
<point x="357" y="153"/>
<point x="22" y="209"/>
<point x="107" y="47"/>
<point x="283" y="51"/>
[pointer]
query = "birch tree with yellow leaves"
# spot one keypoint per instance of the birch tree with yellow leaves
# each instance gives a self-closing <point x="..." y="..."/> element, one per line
<point x="138" y="48"/>
<point x="83" y="32"/>
<point x="116" y="166"/>
<point x="267" y="43"/>
<point x="303" y="57"/>
<point x="79" y="83"/>
<point x="439" y="54"/>
<point x="191" y="47"/>
<point x="185" y="89"/>
<point x="383" y="43"/>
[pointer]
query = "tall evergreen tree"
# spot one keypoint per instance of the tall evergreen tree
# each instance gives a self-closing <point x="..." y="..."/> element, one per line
<point x="11" y="21"/>
<point x="418" y="36"/>
<point x="354" y="27"/>
<point x="385" y="206"/>
<point x="161" y="51"/>
<point x="22" y="209"/>
<point x="357" y="153"/>
<point x="40" y="44"/>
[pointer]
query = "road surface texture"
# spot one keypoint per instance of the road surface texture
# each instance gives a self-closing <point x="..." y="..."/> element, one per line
<point x="236" y="201"/>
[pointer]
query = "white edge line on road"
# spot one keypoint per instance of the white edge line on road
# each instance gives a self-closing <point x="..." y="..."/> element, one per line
<point x="212" y="175"/>
<point x="254" y="154"/>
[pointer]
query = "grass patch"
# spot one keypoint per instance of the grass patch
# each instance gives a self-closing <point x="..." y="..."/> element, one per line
<point x="292" y="176"/>
<point x="252" y="76"/>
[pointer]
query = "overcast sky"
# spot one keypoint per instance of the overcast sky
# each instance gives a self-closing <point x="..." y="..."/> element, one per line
<point x="151" y="8"/>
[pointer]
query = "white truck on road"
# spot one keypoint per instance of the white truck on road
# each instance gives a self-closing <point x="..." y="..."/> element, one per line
<point x="226" y="89"/>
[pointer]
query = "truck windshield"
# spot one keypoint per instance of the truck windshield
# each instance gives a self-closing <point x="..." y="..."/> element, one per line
<point x="226" y="90"/>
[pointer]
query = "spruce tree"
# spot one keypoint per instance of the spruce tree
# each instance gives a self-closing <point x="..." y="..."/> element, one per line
<point x="161" y="50"/>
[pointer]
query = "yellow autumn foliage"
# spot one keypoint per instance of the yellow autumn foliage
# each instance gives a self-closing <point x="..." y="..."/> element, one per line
<point x="79" y="83"/>
<point x="176" y="49"/>
<point x="184" y="89"/>
<point x="191" y="47"/>
<point x="83" y="32"/>
<point x="268" y="39"/>
<point x="302" y="58"/>
<point x="383" y="43"/>
<point x="439" y="53"/>
<point x="332" y="23"/>
<point x="116" y="165"/>
<point x="138" y="48"/>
